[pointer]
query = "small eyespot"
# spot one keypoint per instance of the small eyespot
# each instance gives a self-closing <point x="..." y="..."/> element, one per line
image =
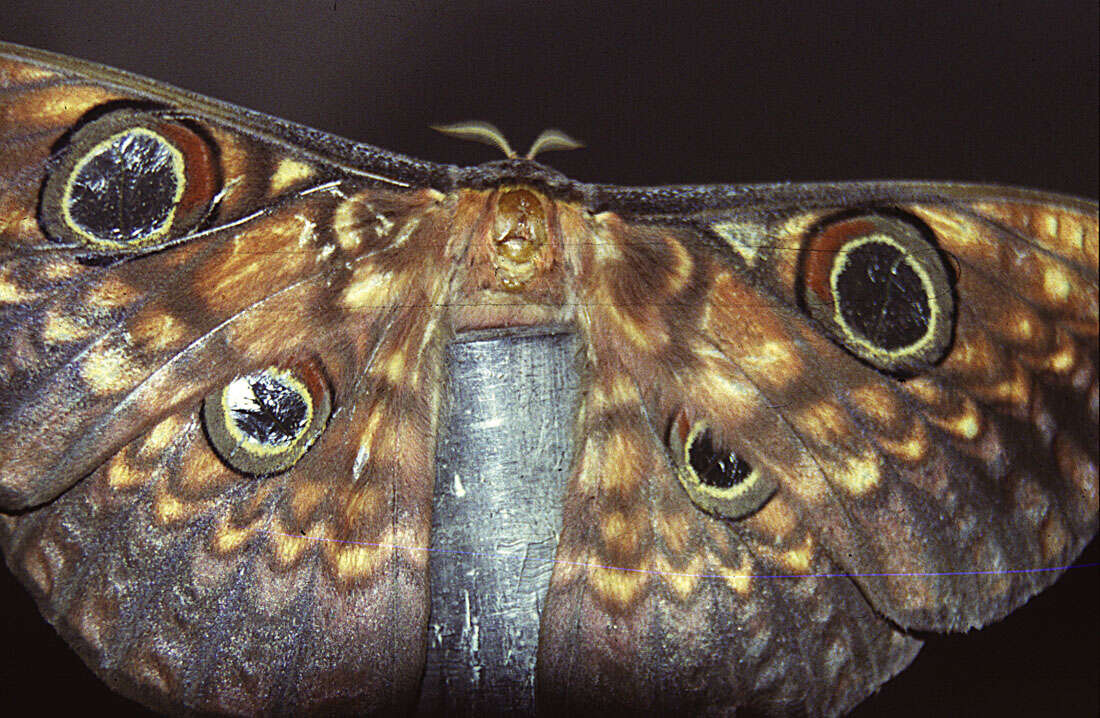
<point x="263" y="423"/>
<point x="718" y="480"/>
<point x="880" y="285"/>
<point x="129" y="181"/>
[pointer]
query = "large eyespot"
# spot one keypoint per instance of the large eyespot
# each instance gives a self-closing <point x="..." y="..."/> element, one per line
<point x="718" y="480"/>
<point x="263" y="423"/>
<point x="129" y="181"/>
<point x="881" y="286"/>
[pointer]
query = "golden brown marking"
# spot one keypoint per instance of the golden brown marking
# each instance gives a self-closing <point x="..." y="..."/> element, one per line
<point x="718" y="379"/>
<point x="800" y="558"/>
<point x="1023" y="327"/>
<point x="287" y="549"/>
<point x="825" y="420"/>
<point x="394" y="367"/>
<point x="681" y="267"/>
<point x="110" y="369"/>
<point x="779" y="365"/>
<point x="122" y="476"/>
<point x="740" y="578"/>
<point x="154" y="330"/>
<point x="604" y="246"/>
<point x="1064" y="359"/>
<point x="950" y="227"/>
<point x="227" y="539"/>
<point x="346" y="222"/>
<point x="64" y="328"/>
<point x="912" y="448"/>
<point x="617" y="586"/>
<point x="168" y="509"/>
<point x="367" y="438"/>
<point x="289" y="172"/>
<point x="364" y="503"/>
<point x="776" y="518"/>
<point x="55" y="106"/>
<point x="878" y="403"/>
<point x="110" y="293"/>
<point x="161" y="436"/>
<point x="10" y="292"/>
<point x="683" y="580"/>
<point x="975" y="354"/>
<point x="234" y="159"/>
<point x="1014" y="390"/>
<point x="624" y="462"/>
<point x="23" y="74"/>
<point x="674" y="529"/>
<point x="1056" y="283"/>
<point x="370" y="288"/>
<point x="926" y="390"/>
<point x="354" y="562"/>
<point x="966" y="424"/>
<point x="620" y="534"/>
<point x="858" y="472"/>
<point x="306" y="497"/>
<point x="246" y="264"/>
<point x="60" y="270"/>
<point x="1053" y="539"/>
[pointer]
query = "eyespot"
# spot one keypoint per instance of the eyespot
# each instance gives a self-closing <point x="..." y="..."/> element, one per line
<point x="880" y="285"/>
<point x="717" y="479"/>
<point x="129" y="181"/>
<point x="264" y="422"/>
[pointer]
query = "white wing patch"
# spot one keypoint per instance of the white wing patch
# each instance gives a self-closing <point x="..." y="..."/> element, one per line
<point x="746" y="238"/>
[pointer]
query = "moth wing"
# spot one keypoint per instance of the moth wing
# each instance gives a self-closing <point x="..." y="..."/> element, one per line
<point x="943" y="499"/>
<point x="180" y="580"/>
<point x="657" y="606"/>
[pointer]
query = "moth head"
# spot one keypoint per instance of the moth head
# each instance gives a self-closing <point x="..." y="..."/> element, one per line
<point x="520" y="238"/>
<point x="718" y="479"/>
<point x="264" y="422"/>
<point x="128" y="181"/>
<point x="880" y="285"/>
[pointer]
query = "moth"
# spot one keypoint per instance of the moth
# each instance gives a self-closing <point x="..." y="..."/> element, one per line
<point x="816" y="421"/>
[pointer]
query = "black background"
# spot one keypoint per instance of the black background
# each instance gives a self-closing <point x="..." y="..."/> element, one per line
<point x="661" y="93"/>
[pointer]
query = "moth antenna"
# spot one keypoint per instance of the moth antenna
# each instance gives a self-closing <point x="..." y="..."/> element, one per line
<point x="478" y="131"/>
<point x="551" y="140"/>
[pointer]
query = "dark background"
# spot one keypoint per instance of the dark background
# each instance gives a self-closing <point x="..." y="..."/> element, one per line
<point x="661" y="93"/>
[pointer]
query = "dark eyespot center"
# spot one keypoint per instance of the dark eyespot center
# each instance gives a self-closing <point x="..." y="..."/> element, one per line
<point x="264" y="423"/>
<point x="126" y="190"/>
<point x="267" y="410"/>
<point x="715" y="467"/>
<point x="882" y="297"/>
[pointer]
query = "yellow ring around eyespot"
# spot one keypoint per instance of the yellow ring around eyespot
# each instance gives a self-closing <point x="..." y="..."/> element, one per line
<point x="254" y="447"/>
<point x="178" y="167"/>
<point x="935" y="312"/>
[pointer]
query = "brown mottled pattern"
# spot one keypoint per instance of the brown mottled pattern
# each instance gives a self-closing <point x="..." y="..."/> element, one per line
<point x="903" y="503"/>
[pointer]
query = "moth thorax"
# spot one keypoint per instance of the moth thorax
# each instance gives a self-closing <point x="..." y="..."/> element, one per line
<point x="520" y="248"/>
